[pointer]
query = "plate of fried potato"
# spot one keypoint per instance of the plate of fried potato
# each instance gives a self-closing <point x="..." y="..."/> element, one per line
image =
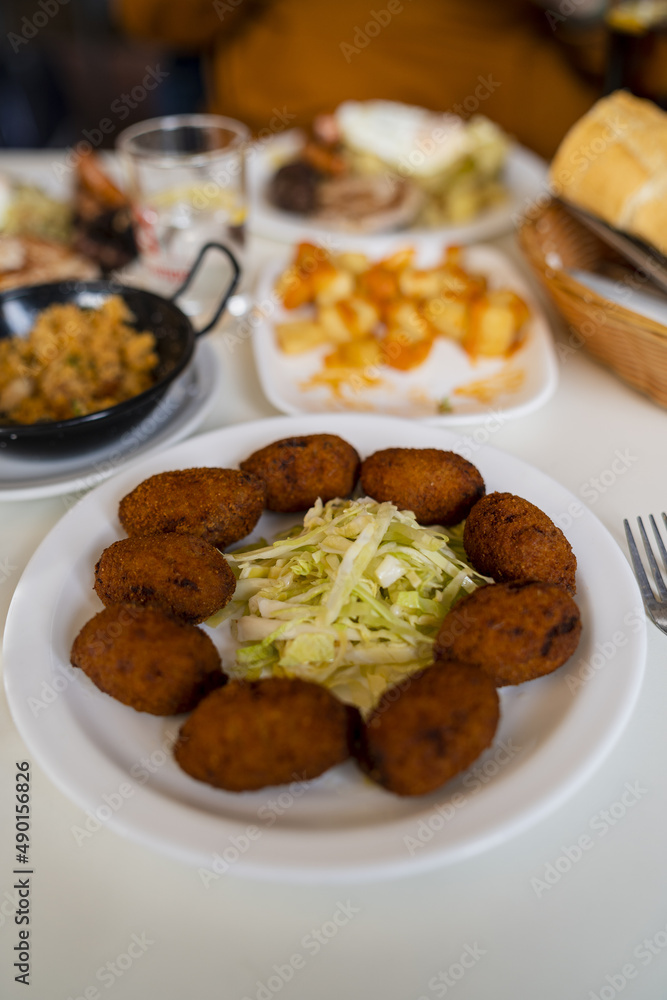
<point x="444" y="336"/>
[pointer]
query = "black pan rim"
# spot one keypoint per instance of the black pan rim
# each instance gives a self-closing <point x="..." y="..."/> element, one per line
<point x="44" y="428"/>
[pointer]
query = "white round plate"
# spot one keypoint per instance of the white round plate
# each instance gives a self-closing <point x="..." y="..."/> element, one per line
<point x="178" y="414"/>
<point x="116" y="765"/>
<point x="512" y="386"/>
<point x="525" y="176"/>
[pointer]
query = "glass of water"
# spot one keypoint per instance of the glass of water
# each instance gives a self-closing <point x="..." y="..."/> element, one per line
<point x="186" y="182"/>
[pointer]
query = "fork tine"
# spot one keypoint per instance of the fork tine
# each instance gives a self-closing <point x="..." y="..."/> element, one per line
<point x="658" y="538"/>
<point x="655" y="569"/>
<point x="640" y="572"/>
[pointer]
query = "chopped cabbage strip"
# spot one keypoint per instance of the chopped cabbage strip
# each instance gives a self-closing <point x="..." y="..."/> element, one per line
<point x="352" y="600"/>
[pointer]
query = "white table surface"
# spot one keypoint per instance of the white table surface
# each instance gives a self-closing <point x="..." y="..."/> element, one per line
<point x="404" y="938"/>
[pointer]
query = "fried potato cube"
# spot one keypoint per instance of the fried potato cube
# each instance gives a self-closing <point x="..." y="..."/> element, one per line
<point x="507" y="297"/>
<point x="294" y="288"/>
<point x="379" y="284"/>
<point x="309" y="255"/>
<point x="453" y="257"/>
<point x="360" y="353"/>
<point x="398" y="260"/>
<point x="401" y="349"/>
<point x="336" y="324"/>
<point x="310" y="269"/>
<point x="449" y="316"/>
<point x="455" y="281"/>
<point x="349" y="318"/>
<point x="492" y="328"/>
<point x="354" y="262"/>
<point x="405" y="315"/>
<point x="420" y="284"/>
<point x="367" y="315"/>
<point x="331" y="285"/>
<point x="300" y="335"/>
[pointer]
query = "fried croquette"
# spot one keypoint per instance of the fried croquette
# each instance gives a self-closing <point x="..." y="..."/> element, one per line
<point x="514" y="632"/>
<point x="182" y="575"/>
<point x="219" y="505"/>
<point x="428" y="728"/>
<point x="439" y="487"/>
<point x="509" y="538"/>
<point x="298" y="470"/>
<point x="251" y="734"/>
<point x="145" y="659"/>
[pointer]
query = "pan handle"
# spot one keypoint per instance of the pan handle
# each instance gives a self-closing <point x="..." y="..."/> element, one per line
<point x="236" y="273"/>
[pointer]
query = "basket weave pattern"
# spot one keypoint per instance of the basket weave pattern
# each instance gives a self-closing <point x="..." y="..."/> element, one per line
<point x="631" y="345"/>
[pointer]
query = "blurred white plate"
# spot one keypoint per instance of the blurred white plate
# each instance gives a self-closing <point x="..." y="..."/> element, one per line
<point x="554" y="732"/>
<point x="516" y="385"/>
<point x="178" y="414"/>
<point x="525" y="177"/>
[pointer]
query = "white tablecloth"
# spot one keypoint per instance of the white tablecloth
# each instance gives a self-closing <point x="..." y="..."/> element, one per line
<point x="108" y="917"/>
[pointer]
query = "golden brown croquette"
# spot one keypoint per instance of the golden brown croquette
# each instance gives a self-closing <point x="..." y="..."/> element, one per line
<point x="298" y="470"/>
<point x="147" y="660"/>
<point x="439" y="487"/>
<point x="182" y="575"/>
<point x="436" y="726"/>
<point x="251" y="734"/>
<point x="514" y="632"/>
<point x="509" y="538"/>
<point x="219" y="505"/>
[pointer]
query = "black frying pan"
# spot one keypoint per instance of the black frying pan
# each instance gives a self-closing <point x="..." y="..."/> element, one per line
<point x="174" y="334"/>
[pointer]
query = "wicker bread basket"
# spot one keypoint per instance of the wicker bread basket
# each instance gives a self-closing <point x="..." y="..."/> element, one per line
<point x="631" y="345"/>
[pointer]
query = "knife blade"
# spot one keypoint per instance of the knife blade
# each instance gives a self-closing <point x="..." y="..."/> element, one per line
<point x="646" y="259"/>
<point x="644" y="303"/>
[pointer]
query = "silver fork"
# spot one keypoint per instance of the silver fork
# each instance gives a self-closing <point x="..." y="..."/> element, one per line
<point x="656" y="607"/>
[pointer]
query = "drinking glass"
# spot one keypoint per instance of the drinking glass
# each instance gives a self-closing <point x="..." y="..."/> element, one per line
<point x="186" y="182"/>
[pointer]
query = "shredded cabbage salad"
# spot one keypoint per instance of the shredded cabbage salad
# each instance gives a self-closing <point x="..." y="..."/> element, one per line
<point x="352" y="600"/>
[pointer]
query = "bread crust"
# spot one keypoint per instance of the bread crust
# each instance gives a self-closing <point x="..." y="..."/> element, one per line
<point x="613" y="163"/>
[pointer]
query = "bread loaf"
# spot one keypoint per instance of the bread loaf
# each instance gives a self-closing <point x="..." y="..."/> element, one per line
<point x="613" y="163"/>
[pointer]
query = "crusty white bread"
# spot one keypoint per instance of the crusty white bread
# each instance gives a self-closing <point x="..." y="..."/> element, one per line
<point x="613" y="163"/>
